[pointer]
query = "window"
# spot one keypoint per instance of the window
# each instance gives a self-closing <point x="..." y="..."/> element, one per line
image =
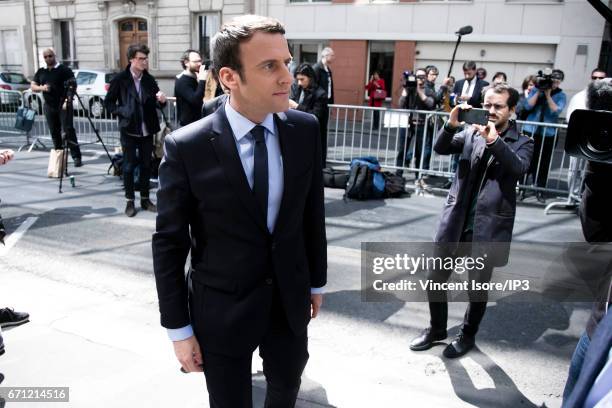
<point x="86" y="78"/>
<point x="304" y="52"/>
<point x="309" y="1"/>
<point x="13" y="78"/>
<point x="381" y="59"/>
<point x="10" y="52"/>
<point x="64" y="40"/>
<point x="206" y="25"/>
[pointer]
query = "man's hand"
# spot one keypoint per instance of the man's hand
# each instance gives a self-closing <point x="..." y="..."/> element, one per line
<point x="202" y="74"/>
<point x="161" y="97"/>
<point x="316" y="300"/>
<point x="6" y="155"/>
<point x="488" y="132"/>
<point x="453" y="119"/>
<point x="293" y="104"/>
<point x="547" y="93"/>
<point x="446" y="81"/>
<point x="188" y="354"/>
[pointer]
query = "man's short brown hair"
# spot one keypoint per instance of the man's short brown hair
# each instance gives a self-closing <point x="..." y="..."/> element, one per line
<point x="503" y="87"/>
<point x="226" y="43"/>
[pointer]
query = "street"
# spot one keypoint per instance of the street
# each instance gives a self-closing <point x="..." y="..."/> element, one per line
<point x="83" y="270"/>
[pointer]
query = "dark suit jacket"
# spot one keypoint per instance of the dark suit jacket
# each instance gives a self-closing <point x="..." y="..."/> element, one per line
<point x="122" y="101"/>
<point x="496" y="206"/>
<point x="212" y="105"/>
<point x="205" y="205"/>
<point x="476" y="100"/>
<point x="594" y="361"/>
<point x="315" y="100"/>
<point x="323" y="80"/>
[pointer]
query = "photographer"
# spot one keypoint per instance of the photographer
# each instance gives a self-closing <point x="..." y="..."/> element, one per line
<point x="416" y="96"/>
<point x="377" y="93"/>
<point x="545" y="102"/>
<point x="480" y="207"/>
<point x="596" y="220"/>
<point x="133" y="97"/>
<point x="51" y="81"/>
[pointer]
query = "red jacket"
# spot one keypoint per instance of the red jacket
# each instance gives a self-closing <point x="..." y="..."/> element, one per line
<point x="371" y="87"/>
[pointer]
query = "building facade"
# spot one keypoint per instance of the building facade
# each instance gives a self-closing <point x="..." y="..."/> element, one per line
<point x="518" y="37"/>
<point x="16" y="52"/>
<point x="95" y="34"/>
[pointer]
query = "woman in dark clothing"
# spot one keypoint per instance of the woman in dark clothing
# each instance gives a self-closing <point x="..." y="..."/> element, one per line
<point x="527" y="86"/>
<point x="307" y="96"/>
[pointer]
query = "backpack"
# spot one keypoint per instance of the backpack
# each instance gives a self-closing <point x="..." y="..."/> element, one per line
<point x="365" y="179"/>
<point x="116" y="165"/>
<point x="335" y="178"/>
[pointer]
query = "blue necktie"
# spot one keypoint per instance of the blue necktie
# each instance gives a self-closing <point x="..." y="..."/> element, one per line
<point x="260" y="169"/>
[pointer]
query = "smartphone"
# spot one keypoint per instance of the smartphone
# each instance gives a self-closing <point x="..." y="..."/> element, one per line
<point x="474" y="116"/>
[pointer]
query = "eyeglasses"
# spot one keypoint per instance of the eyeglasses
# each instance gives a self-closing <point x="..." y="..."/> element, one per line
<point x="496" y="106"/>
<point x="595" y="78"/>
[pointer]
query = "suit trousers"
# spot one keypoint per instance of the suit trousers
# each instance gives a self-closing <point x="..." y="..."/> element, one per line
<point x="56" y="120"/>
<point x="284" y="355"/>
<point x="136" y="151"/>
<point x="438" y="303"/>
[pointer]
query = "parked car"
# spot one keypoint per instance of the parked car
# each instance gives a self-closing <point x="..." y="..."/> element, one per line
<point x="12" y="81"/>
<point x="92" y="86"/>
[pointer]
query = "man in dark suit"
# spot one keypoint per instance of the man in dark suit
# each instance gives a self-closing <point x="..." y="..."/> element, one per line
<point x="133" y="97"/>
<point x="242" y="190"/>
<point x="469" y="89"/>
<point x="480" y="207"/>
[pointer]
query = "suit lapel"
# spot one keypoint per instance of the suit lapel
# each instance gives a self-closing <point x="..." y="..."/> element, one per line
<point x="224" y="144"/>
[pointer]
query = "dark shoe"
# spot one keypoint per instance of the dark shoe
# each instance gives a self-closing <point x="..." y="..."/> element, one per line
<point x="1" y="353"/>
<point x="9" y="317"/>
<point x="78" y="162"/>
<point x="426" y="339"/>
<point x="130" y="210"/>
<point x="461" y="345"/>
<point x="147" y="205"/>
<point x="540" y="197"/>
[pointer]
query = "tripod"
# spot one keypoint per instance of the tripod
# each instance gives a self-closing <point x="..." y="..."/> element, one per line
<point x="68" y="125"/>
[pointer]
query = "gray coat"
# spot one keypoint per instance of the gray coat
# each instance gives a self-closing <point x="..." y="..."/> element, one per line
<point x="496" y="206"/>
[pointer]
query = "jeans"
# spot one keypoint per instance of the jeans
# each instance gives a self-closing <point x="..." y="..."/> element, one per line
<point x="404" y="153"/>
<point x="576" y="364"/>
<point x="136" y="151"/>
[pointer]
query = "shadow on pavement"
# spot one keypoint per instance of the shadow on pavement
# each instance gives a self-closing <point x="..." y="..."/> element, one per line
<point x="504" y="394"/>
<point x="312" y="394"/>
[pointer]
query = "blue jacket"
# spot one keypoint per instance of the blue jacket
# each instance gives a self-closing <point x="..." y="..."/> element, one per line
<point x="548" y="116"/>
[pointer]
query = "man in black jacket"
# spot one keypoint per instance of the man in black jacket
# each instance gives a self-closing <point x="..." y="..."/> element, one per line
<point x="189" y="88"/>
<point x="133" y="97"/>
<point x="255" y="225"/>
<point x="469" y="89"/>
<point x="51" y="81"/>
<point x="480" y="207"/>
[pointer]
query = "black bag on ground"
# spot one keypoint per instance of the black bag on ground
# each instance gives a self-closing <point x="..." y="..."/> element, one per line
<point x="360" y="183"/>
<point x="395" y="186"/>
<point x="116" y="165"/>
<point x="334" y="178"/>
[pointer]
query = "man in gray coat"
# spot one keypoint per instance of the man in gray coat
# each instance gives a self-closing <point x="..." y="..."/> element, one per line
<point x="480" y="207"/>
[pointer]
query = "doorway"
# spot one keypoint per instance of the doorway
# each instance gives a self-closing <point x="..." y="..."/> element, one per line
<point x="131" y="31"/>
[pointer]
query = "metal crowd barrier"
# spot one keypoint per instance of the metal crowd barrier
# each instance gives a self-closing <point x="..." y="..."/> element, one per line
<point x="10" y="101"/>
<point x="40" y="135"/>
<point x="353" y="132"/>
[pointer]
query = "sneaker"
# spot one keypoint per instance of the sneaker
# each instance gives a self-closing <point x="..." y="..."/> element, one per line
<point x="147" y="205"/>
<point x="460" y="346"/>
<point x="9" y="318"/>
<point x="130" y="210"/>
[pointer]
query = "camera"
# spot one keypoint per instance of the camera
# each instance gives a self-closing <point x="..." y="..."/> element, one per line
<point x="409" y="80"/>
<point x="70" y="84"/>
<point x="544" y="80"/>
<point x="589" y="135"/>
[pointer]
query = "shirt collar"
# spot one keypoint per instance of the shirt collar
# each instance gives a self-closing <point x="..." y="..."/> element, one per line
<point x="241" y="126"/>
<point x="57" y="64"/>
<point x="134" y="76"/>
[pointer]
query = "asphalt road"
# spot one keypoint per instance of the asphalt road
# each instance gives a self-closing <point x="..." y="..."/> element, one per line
<point x="82" y="254"/>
